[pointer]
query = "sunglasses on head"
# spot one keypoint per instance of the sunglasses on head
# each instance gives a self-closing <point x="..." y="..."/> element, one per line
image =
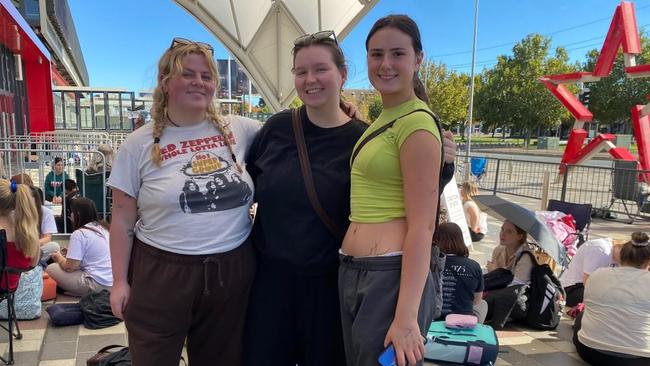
<point x="177" y="41"/>
<point x="318" y="36"/>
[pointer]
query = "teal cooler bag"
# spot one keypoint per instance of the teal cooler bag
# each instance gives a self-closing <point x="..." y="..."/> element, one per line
<point x="477" y="346"/>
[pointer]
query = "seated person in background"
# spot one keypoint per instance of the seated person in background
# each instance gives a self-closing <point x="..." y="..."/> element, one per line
<point x="462" y="278"/>
<point x="99" y="162"/>
<point x="591" y="255"/>
<point x="19" y="218"/>
<point x="87" y="266"/>
<point x="54" y="182"/>
<point x="71" y="192"/>
<point x="509" y="255"/>
<point x="46" y="221"/>
<point x="476" y="220"/>
<point x="614" y="329"/>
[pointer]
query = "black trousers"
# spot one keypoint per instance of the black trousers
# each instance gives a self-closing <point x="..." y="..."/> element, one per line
<point x="293" y="319"/>
<point x="476" y="237"/>
<point x="574" y="294"/>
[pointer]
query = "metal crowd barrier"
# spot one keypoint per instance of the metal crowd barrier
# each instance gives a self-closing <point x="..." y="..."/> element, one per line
<point x="614" y="189"/>
<point x="13" y="163"/>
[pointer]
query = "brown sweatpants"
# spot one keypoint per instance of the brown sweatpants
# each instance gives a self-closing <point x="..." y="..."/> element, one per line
<point x="201" y="297"/>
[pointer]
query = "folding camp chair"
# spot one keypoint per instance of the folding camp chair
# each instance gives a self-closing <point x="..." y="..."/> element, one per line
<point x="581" y="213"/>
<point x="477" y="167"/>
<point x="7" y="293"/>
<point x="625" y="186"/>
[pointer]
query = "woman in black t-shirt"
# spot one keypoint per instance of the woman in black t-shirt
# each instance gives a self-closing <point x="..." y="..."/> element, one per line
<point x="462" y="278"/>
<point x="295" y="291"/>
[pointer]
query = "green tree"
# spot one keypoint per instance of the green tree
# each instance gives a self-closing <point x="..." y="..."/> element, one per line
<point x="296" y="103"/>
<point x="512" y="95"/>
<point x="448" y="92"/>
<point x="374" y="106"/>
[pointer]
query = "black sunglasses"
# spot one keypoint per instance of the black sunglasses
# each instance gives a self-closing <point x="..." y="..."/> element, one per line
<point x="318" y="36"/>
<point x="184" y="41"/>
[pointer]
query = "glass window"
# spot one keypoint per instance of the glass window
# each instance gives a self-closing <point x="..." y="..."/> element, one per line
<point x="58" y="110"/>
<point x="70" y="111"/>
<point x="85" y="111"/>
<point x="114" y="111"/>
<point x="99" y="103"/>
<point x="127" y="103"/>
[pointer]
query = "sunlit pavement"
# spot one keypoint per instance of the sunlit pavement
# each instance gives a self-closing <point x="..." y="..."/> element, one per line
<point x="46" y="345"/>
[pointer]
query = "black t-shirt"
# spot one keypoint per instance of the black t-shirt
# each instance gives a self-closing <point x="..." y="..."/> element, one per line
<point x="287" y="229"/>
<point x="461" y="278"/>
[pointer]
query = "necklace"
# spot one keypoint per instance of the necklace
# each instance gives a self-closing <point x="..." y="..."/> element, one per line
<point x="172" y="122"/>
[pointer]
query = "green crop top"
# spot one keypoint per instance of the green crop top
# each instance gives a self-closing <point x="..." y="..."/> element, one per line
<point x="377" y="193"/>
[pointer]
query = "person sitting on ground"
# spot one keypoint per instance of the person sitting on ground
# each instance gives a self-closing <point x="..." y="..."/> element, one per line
<point x="614" y="329"/>
<point x="71" y="192"/>
<point x="54" y="182"/>
<point x="19" y="219"/>
<point x="98" y="162"/>
<point x="462" y="278"/>
<point x="87" y="265"/>
<point x="46" y="221"/>
<point x="592" y="255"/>
<point x="476" y="220"/>
<point x="509" y="255"/>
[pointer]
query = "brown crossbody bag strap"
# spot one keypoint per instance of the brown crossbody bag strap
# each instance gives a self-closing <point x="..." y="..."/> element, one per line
<point x="305" y="167"/>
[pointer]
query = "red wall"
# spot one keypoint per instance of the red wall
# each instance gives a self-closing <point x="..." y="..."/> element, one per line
<point x="16" y="35"/>
<point x="38" y="81"/>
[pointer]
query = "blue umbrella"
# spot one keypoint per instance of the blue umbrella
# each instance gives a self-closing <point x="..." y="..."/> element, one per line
<point x="525" y="219"/>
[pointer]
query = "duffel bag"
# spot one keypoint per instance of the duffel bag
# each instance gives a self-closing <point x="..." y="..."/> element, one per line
<point x="476" y="346"/>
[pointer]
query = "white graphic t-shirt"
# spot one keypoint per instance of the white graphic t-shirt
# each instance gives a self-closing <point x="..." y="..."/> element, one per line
<point x="196" y="202"/>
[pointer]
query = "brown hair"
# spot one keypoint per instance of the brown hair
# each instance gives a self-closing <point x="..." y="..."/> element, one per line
<point x="519" y="231"/>
<point x="408" y="26"/>
<point x="169" y="66"/>
<point x="335" y="50"/>
<point x="23" y="178"/>
<point x="636" y="252"/>
<point x="449" y="238"/>
<point x="85" y="212"/>
<point x="25" y="216"/>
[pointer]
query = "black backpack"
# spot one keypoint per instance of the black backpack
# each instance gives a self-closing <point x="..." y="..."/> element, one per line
<point x="545" y="297"/>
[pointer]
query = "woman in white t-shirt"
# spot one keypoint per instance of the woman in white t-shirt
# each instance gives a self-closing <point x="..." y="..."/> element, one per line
<point x="615" y="326"/>
<point x="476" y="220"/>
<point x="87" y="265"/>
<point x="182" y="263"/>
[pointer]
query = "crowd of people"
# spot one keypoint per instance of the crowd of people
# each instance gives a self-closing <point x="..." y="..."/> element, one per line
<point x="343" y="257"/>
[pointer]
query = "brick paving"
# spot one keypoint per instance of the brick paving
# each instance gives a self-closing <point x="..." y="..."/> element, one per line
<point x="46" y="345"/>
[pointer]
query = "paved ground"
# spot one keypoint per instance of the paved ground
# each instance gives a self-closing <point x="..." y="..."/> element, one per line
<point x="45" y="345"/>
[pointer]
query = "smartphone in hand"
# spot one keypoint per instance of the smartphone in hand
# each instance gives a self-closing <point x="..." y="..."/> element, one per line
<point x="388" y="357"/>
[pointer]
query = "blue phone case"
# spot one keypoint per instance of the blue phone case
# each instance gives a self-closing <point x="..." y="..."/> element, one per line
<point x="387" y="358"/>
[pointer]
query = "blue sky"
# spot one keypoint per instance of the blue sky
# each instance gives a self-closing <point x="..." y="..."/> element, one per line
<point x="122" y="39"/>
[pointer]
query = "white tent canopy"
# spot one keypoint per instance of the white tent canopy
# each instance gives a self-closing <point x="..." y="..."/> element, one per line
<point x="260" y="34"/>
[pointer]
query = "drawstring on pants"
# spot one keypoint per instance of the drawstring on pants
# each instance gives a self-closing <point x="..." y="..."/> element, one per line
<point x="206" y="262"/>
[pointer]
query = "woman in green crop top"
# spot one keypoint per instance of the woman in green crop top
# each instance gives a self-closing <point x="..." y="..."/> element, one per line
<point x="385" y="284"/>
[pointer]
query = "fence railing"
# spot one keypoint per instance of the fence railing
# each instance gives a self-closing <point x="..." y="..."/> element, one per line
<point x="616" y="189"/>
<point x="90" y="184"/>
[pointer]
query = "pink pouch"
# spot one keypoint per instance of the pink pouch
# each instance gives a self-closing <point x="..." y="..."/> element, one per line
<point x="460" y="321"/>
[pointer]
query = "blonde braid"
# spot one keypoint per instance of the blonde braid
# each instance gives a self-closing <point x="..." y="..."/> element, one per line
<point x="158" y="127"/>
<point x="217" y="120"/>
<point x="158" y="114"/>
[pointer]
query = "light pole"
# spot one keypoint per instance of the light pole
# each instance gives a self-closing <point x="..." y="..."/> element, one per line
<point x="471" y="95"/>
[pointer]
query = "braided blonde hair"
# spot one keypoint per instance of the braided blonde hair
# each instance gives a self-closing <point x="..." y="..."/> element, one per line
<point x="169" y="66"/>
